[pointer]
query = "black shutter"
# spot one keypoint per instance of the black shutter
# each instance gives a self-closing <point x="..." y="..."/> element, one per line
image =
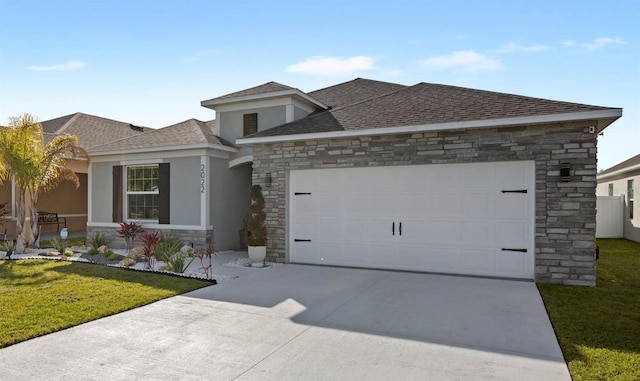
<point x="163" y="193"/>
<point x="117" y="193"/>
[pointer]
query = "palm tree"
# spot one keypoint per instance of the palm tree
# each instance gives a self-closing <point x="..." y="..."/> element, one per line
<point x="35" y="165"/>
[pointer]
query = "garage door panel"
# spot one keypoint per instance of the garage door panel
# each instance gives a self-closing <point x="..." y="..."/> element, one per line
<point x="442" y="205"/>
<point x="476" y="205"/>
<point x="512" y="206"/>
<point x="454" y="217"/>
<point x="511" y="263"/>
<point x="477" y="177"/>
<point x="328" y="205"/>
<point x="441" y="178"/>
<point x="477" y="233"/>
<point x="479" y="261"/>
<point x="512" y="234"/>
<point x="440" y="232"/>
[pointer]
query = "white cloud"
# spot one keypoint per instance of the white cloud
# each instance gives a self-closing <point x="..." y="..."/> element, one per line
<point x="332" y="66"/>
<point x="71" y="65"/>
<point x="597" y="44"/>
<point x="600" y="43"/>
<point x="511" y="47"/>
<point x="464" y="60"/>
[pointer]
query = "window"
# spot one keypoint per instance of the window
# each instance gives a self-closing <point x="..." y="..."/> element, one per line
<point x="142" y="192"/>
<point x="630" y="197"/>
<point x="250" y="124"/>
<point x="611" y="189"/>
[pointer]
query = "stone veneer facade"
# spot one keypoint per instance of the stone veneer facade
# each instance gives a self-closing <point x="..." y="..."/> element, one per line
<point x="565" y="219"/>
<point x="199" y="239"/>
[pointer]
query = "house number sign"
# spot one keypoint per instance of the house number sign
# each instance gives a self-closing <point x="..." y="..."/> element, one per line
<point x="202" y="178"/>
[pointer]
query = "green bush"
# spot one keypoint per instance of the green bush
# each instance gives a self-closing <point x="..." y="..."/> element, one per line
<point x="98" y="240"/>
<point x="109" y="254"/>
<point x="168" y="245"/>
<point x="179" y="263"/>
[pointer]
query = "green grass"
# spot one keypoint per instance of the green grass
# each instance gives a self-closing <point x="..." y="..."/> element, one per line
<point x="599" y="328"/>
<point x="39" y="296"/>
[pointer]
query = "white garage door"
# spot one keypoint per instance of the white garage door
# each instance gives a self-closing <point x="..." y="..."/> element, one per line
<point x="451" y="218"/>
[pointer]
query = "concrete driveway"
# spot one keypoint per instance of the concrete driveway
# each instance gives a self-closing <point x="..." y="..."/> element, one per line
<point x="295" y="322"/>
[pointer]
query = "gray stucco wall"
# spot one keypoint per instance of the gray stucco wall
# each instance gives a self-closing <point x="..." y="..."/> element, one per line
<point x="565" y="211"/>
<point x="184" y="204"/>
<point x="101" y="189"/>
<point x="231" y="122"/>
<point x="230" y="189"/>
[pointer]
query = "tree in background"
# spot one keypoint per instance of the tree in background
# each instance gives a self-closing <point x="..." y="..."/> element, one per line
<point x="36" y="165"/>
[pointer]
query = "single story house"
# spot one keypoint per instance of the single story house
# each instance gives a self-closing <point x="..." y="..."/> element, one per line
<point x="622" y="180"/>
<point x="371" y="174"/>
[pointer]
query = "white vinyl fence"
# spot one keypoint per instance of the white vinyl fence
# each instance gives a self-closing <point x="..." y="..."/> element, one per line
<point x="610" y="217"/>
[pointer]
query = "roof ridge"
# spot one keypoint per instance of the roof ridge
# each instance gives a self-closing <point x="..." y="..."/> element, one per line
<point x="353" y="80"/>
<point x="372" y="98"/>
<point x="67" y="124"/>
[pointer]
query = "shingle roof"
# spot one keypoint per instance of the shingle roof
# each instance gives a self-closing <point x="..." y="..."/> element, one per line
<point x="91" y="130"/>
<point x="268" y="87"/>
<point x="190" y="131"/>
<point x="425" y="104"/>
<point x="354" y="91"/>
<point x="634" y="161"/>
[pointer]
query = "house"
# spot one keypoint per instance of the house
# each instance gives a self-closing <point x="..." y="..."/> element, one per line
<point x="622" y="180"/>
<point x="371" y="174"/>
<point x="69" y="202"/>
<point x="424" y="178"/>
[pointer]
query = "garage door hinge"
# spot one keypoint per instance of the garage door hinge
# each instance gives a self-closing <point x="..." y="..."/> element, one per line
<point x="520" y="250"/>
<point x="301" y="240"/>
<point x="515" y="191"/>
<point x="302" y="193"/>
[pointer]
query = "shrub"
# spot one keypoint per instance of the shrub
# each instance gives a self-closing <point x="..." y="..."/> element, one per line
<point x="205" y="260"/>
<point x="179" y="263"/>
<point x="58" y="244"/>
<point x="129" y="231"/>
<point x="8" y="246"/>
<point x="109" y="254"/>
<point x="150" y="241"/>
<point x="256" y="231"/>
<point x="98" y="240"/>
<point x="93" y="251"/>
<point x="168" y="245"/>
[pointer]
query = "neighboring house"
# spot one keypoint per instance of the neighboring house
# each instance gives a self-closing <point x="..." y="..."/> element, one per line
<point x="70" y="203"/>
<point x="622" y="180"/>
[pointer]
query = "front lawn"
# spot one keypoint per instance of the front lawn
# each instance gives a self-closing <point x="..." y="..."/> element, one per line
<point x="39" y="296"/>
<point x="599" y="328"/>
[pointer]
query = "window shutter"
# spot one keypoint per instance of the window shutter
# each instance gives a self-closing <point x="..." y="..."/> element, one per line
<point x="163" y="193"/>
<point x="117" y="193"/>
<point x="250" y="124"/>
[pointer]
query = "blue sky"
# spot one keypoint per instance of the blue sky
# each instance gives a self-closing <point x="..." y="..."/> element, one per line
<point x="151" y="62"/>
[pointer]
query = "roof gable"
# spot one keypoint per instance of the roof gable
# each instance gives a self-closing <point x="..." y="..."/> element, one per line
<point x="269" y="87"/>
<point x="91" y="130"/>
<point x="188" y="132"/>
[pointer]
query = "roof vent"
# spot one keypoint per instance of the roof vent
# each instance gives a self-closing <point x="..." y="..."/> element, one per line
<point x="136" y="128"/>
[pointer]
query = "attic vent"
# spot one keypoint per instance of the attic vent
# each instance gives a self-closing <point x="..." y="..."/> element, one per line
<point x="136" y="128"/>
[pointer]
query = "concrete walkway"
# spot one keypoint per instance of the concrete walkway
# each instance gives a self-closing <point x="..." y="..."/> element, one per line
<point x="295" y="322"/>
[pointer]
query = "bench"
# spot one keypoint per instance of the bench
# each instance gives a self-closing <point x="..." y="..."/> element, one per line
<point x="47" y="218"/>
